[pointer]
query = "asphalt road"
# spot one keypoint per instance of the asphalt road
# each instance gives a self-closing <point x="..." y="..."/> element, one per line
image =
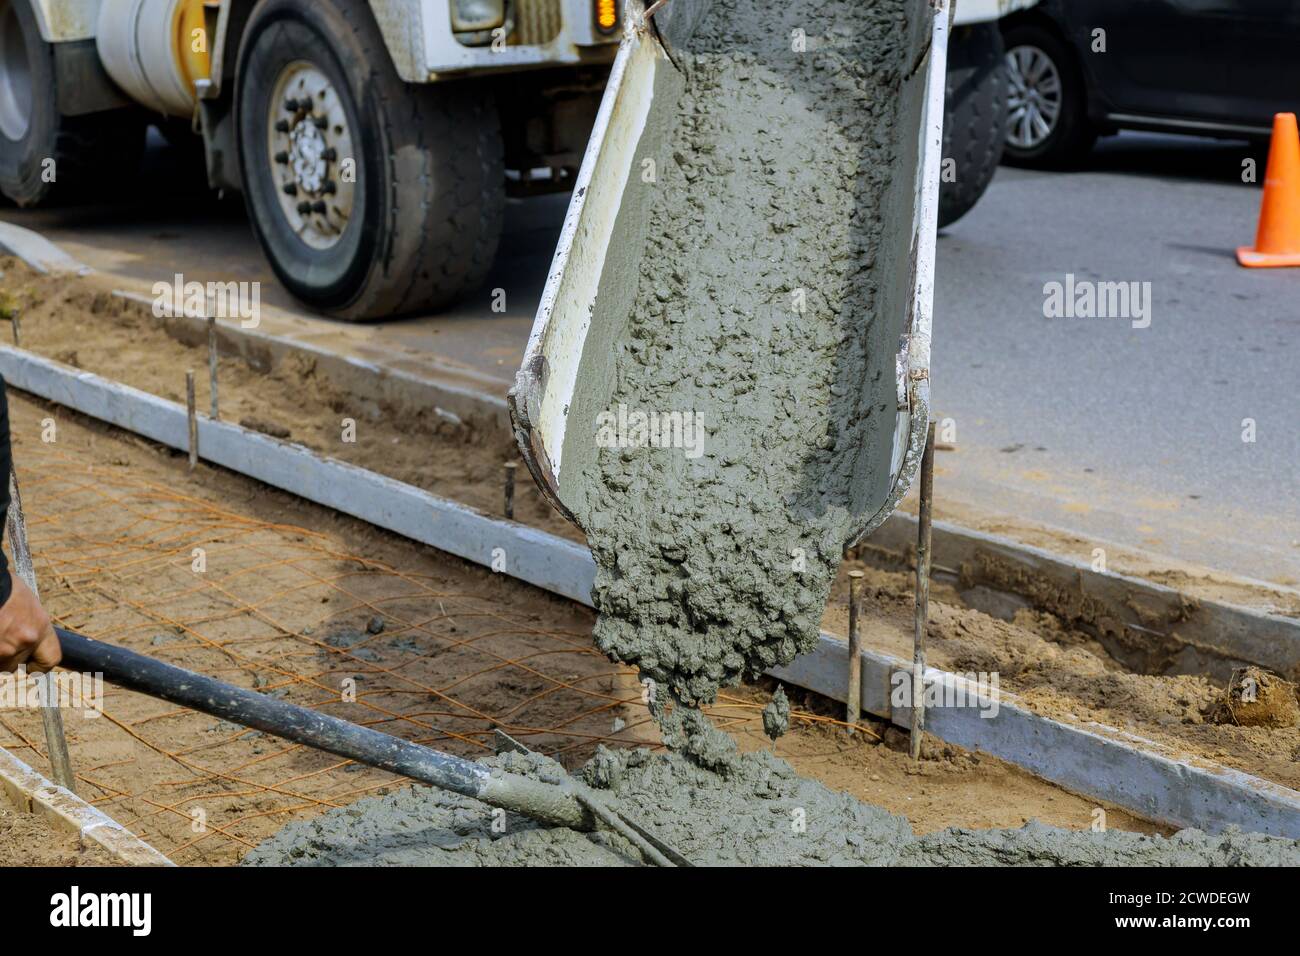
<point x="1128" y="434"/>
<point x="1123" y="434"/>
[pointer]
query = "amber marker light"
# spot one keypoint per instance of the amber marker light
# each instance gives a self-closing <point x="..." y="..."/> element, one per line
<point x="606" y="15"/>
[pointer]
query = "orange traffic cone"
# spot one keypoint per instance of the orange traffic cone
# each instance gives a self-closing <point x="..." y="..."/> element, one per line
<point x="1278" y="241"/>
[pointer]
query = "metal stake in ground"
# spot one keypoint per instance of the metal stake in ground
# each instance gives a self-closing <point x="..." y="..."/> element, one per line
<point x="511" y="468"/>
<point x="55" y="739"/>
<point x="212" y="365"/>
<point x="13" y="320"/>
<point x="192" y="414"/>
<point x="854" y="709"/>
<point x="922" y="594"/>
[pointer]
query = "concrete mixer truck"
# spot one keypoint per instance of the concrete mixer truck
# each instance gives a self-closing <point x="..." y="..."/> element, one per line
<point x="374" y="141"/>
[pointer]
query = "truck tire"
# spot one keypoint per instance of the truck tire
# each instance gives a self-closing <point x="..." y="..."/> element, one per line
<point x="44" y="155"/>
<point x="370" y="197"/>
<point x="975" y="118"/>
<point x="1040" y="65"/>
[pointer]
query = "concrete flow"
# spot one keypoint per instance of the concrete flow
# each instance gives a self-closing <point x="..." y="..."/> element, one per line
<point x="717" y="534"/>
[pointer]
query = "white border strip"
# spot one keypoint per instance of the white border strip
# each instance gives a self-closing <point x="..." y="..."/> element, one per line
<point x="31" y="792"/>
<point x="38" y="252"/>
<point x="560" y="566"/>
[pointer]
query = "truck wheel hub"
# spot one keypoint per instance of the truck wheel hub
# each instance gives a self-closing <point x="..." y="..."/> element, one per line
<point x="310" y="154"/>
<point x="308" y="157"/>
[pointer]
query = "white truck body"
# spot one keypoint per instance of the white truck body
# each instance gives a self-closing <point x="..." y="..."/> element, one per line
<point x="420" y="40"/>
<point x="966" y="12"/>
<point x="418" y="33"/>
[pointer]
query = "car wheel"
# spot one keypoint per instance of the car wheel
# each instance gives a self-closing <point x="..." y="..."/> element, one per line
<point x="1047" y="121"/>
<point x="45" y="155"/>
<point x="975" y="113"/>
<point x="370" y="197"/>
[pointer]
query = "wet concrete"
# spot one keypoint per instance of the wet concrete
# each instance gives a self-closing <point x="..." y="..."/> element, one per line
<point x="716" y="807"/>
<point x="755" y="322"/>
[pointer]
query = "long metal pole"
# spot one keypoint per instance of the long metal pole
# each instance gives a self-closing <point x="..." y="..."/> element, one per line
<point x="192" y="417"/>
<point x="56" y="740"/>
<point x="548" y="803"/>
<point x="853" y="710"/>
<point x="922" y="594"/>
<point x="212" y="367"/>
<point x="511" y="468"/>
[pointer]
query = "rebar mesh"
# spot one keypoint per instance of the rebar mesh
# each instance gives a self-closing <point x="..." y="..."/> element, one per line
<point x="290" y="612"/>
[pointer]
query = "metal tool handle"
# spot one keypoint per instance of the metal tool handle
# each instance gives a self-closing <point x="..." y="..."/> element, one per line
<point x="546" y="803"/>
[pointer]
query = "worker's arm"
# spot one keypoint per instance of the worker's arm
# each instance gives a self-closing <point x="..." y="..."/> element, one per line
<point x="26" y="635"/>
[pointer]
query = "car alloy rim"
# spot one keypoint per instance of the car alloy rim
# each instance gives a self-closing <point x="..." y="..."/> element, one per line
<point x="1034" y="101"/>
<point x="309" y="148"/>
<point x="15" y="77"/>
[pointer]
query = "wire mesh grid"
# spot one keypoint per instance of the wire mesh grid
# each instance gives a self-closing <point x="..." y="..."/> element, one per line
<point x="440" y="659"/>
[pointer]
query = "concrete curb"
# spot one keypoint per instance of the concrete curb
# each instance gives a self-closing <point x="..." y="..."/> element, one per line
<point x="1150" y="627"/>
<point x="38" y="252"/>
<point x="457" y="393"/>
<point x="31" y="792"/>
<point x="1088" y="758"/>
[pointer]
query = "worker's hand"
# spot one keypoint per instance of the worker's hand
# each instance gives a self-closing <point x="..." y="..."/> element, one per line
<point x="26" y="635"/>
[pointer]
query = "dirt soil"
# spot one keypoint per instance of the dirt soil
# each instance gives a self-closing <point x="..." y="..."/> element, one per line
<point x="1065" y="674"/>
<point x="78" y="321"/>
<point x="950" y="787"/>
<point x="26" y="839"/>
<point x="1256" y="698"/>
<point x="131" y="781"/>
<point x="1195" y="581"/>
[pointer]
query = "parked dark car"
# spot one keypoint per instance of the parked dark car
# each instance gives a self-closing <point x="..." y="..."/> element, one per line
<point x="1077" y="69"/>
